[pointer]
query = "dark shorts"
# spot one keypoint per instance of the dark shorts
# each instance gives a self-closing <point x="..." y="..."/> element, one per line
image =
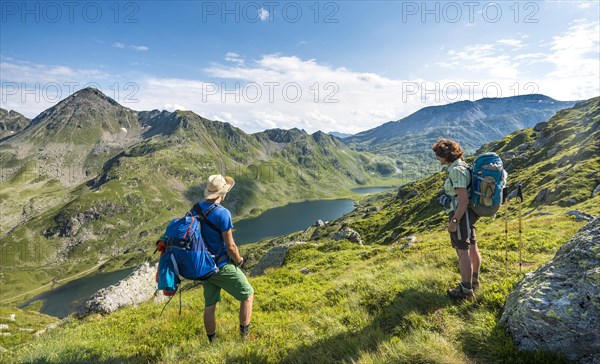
<point x="467" y="234"/>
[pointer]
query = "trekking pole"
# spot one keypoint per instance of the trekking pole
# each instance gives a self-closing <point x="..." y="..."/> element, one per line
<point x="520" y="201"/>
<point x="505" y="200"/>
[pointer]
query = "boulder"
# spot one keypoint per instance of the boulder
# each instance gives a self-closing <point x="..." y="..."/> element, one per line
<point x="541" y="196"/>
<point x="374" y="209"/>
<point x="274" y="258"/>
<point x="304" y="270"/>
<point x="136" y="288"/>
<point x="349" y="234"/>
<point x="523" y="147"/>
<point x="319" y="223"/>
<point x="508" y="155"/>
<point x="552" y="152"/>
<point x="596" y="190"/>
<point x="410" y="239"/>
<point x="580" y="216"/>
<point x="544" y="139"/>
<point x="540" y="126"/>
<point x="557" y="307"/>
<point x="406" y="246"/>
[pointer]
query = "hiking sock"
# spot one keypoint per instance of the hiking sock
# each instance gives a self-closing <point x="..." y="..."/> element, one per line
<point x="466" y="286"/>
<point x="475" y="280"/>
<point x="212" y="337"/>
<point x="244" y="330"/>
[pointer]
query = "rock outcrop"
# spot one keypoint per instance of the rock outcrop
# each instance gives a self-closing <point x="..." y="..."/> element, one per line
<point x="349" y="234"/>
<point x="274" y="258"/>
<point x="138" y="287"/>
<point x="580" y="216"/>
<point x="557" y="307"/>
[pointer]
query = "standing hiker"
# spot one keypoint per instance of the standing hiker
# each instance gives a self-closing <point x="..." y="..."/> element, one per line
<point x="218" y="237"/>
<point x="461" y="218"/>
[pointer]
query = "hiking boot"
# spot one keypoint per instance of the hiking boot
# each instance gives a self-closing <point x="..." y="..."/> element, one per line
<point x="461" y="293"/>
<point x="475" y="285"/>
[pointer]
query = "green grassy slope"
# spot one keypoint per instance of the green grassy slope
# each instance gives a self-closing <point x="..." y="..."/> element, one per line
<point x="113" y="217"/>
<point x="377" y="303"/>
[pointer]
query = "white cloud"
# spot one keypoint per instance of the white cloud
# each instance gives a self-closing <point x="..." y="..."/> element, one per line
<point x="485" y="59"/>
<point x="567" y="67"/>
<point x="234" y="57"/>
<point x="287" y="91"/>
<point x="510" y="42"/>
<point x="120" y="45"/>
<point x="31" y="73"/>
<point x="139" y="48"/>
<point x="584" y="5"/>
<point x="575" y="57"/>
<point x="263" y="14"/>
<point x="173" y="107"/>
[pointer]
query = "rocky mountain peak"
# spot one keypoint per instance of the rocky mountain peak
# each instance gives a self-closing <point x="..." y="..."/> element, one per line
<point x="11" y="123"/>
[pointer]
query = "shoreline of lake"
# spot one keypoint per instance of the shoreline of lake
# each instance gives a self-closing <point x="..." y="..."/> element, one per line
<point x="271" y="223"/>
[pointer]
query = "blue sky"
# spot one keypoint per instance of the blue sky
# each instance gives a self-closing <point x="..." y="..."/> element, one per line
<point x="329" y="65"/>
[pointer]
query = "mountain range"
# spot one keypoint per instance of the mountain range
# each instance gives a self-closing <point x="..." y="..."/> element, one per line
<point x="88" y="179"/>
<point x="471" y="123"/>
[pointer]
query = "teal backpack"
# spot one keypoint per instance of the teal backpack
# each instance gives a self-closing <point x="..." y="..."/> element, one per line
<point x="488" y="181"/>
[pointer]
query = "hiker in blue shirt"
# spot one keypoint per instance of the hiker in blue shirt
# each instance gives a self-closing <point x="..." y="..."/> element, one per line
<point x="230" y="277"/>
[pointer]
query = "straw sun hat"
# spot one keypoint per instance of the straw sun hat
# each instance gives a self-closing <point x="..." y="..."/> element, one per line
<point x="217" y="186"/>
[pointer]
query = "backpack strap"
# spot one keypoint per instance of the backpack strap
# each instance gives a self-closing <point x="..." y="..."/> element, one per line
<point x="197" y="210"/>
<point x="204" y="215"/>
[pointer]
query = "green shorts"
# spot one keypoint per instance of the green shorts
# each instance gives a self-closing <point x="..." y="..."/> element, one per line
<point x="232" y="280"/>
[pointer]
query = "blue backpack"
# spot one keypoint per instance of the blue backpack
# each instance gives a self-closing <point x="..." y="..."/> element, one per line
<point x="184" y="252"/>
<point x="488" y="180"/>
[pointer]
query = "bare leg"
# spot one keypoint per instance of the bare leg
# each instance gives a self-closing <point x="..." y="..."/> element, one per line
<point x="464" y="265"/>
<point x="210" y="321"/>
<point x="475" y="258"/>
<point x="246" y="310"/>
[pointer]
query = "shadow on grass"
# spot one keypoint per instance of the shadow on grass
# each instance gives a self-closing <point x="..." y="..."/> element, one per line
<point x="498" y="347"/>
<point x="94" y="358"/>
<point x="389" y="320"/>
<point x="249" y="358"/>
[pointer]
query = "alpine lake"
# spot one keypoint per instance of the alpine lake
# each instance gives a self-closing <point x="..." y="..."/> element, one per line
<point x="64" y="300"/>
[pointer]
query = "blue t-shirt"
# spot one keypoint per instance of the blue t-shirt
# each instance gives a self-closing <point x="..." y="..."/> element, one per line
<point x="221" y="218"/>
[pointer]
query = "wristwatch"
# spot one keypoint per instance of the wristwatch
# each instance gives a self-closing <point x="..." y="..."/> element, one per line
<point x="454" y="220"/>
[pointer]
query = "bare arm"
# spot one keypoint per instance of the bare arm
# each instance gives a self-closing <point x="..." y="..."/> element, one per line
<point x="463" y="202"/>
<point x="232" y="249"/>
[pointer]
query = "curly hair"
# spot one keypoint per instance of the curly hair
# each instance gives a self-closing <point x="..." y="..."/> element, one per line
<point x="447" y="149"/>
